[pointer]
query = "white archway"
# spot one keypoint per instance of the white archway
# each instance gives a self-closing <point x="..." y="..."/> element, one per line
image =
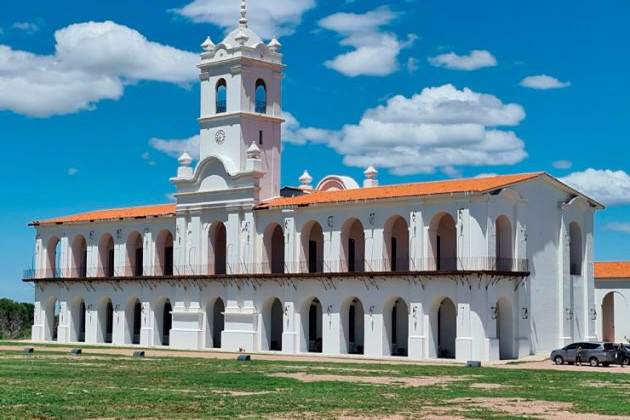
<point x="312" y="326"/>
<point x="215" y="322"/>
<point x="353" y="326"/>
<point x="505" y="328"/>
<point x="396" y="318"/>
<point x="443" y="322"/>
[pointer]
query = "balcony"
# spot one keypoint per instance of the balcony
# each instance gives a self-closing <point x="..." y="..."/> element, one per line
<point x="424" y="266"/>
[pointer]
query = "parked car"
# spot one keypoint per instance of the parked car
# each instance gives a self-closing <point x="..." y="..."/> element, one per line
<point x="626" y="359"/>
<point x="593" y="353"/>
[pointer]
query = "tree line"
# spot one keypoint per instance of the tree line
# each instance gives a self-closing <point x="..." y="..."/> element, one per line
<point x="16" y="319"/>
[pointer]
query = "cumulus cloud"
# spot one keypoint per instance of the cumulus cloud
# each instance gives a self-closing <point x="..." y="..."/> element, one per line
<point x="438" y="128"/>
<point x="93" y="61"/>
<point x="562" y="164"/>
<point x="543" y="82"/>
<point x="266" y="18"/>
<point x="619" y="227"/>
<point x="475" y="60"/>
<point x="604" y="185"/>
<point x="374" y="52"/>
<point x="175" y="147"/>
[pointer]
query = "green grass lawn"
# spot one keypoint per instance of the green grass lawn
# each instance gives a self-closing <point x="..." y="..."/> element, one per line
<point x="55" y="385"/>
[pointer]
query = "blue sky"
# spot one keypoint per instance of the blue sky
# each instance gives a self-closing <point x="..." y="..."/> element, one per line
<point x="85" y="86"/>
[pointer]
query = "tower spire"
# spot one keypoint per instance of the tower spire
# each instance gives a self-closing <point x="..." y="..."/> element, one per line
<point x="243" y="20"/>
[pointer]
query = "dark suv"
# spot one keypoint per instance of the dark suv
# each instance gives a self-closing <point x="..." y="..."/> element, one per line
<point x="592" y="352"/>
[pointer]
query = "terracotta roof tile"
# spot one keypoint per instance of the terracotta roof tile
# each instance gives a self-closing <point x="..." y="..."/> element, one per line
<point x="113" y="214"/>
<point x="469" y="185"/>
<point x="612" y="270"/>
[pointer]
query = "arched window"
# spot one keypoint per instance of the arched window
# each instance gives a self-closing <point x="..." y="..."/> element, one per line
<point x="164" y="245"/>
<point x="106" y="255"/>
<point x="575" y="245"/>
<point x="261" y="97"/>
<point x="396" y="236"/>
<point x="274" y="248"/>
<point x="352" y="246"/>
<point x="135" y="255"/>
<point x="313" y="248"/>
<point x="217" y="249"/>
<point x="53" y="251"/>
<point x="221" y="96"/>
<point x="443" y="234"/>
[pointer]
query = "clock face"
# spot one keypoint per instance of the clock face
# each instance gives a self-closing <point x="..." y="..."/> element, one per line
<point x="219" y="137"/>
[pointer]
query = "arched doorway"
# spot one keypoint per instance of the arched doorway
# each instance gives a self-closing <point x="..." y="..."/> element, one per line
<point x="105" y="317"/>
<point x="444" y="326"/>
<point x="53" y="253"/>
<point x="505" y="328"/>
<point x="443" y="236"/>
<point x="397" y="327"/>
<point x="217" y="249"/>
<point x="215" y="323"/>
<point x="106" y="256"/>
<point x="274" y="248"/>
<point x="53" y="311"/>
<point x="79" y="257"/>
<point x="163" y="321"/>
<point x="608" y="317"/>
<point x="504" y="244"/>
<point x="133" y="320"/>
<point x="164" y="245"/>
<point x="312" y="318"/>
<point x="77" y="312"/>
<point x="353" y="326"/>
<point x="396" y="237"/>
<point x="313" y="247"/>
<point x="352" y="246"/>
<point x="135" y="255"/>
<point x="273" y="324"/>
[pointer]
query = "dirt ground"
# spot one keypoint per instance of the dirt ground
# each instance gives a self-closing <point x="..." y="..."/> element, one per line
<point x="532" y="362"/>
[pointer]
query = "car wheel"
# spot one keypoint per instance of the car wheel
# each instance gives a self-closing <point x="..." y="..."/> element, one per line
<point x="593" y="361"/>
<point x="626" y="361"/>
<point x="558" y="360"/>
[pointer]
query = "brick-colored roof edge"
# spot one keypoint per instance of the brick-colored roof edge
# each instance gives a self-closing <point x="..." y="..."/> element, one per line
<point x="612" y="270"/>
<point x="112" y="214"/>
<point x="455" y="186"/>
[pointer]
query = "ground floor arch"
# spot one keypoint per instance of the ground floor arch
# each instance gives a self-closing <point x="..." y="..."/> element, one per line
<point x="105" y="319"/>
<point x="312" y="324"/>
<point x="352" y="325"/>
<point x="608" y="317"/>
<point x="133" y="321"/>
<point x="77" y="314"/>
<point x="51" y="319"/>
<point x="396" y="317"/>
<point x="215" y="322"/>
<point x="163" y="316"/>
<point x="505" y="328"/>
<point x="272" y="325"/>
<point x="443" y="320"/>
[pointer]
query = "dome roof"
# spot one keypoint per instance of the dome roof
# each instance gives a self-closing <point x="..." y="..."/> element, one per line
<point x="242" y="36"/>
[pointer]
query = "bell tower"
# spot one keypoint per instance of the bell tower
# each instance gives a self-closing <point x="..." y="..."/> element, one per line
<point x="241" y="103"/>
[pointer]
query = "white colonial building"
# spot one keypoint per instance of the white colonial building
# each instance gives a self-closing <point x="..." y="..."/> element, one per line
<point x="472" y="269"/>
<point x="612" y="292"/>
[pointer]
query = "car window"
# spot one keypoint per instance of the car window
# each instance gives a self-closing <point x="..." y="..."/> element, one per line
<point x="590" y="346"/>
<point x="571" y="346"/>
<point x="609" y="346"/>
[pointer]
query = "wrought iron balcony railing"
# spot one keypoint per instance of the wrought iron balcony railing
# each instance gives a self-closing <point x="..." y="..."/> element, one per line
<point x="399" y="265"/>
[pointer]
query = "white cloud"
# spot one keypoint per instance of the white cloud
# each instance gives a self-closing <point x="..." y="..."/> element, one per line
<point x="486" y="175"/>
<point x="562" y="164"/>
<point x="374" y="53"/>
<point x="543" y="82"/>
<point x="475" y="60"/>
<point x="619" y="227"/>
<point x="413" y="64"/>
<point x="175" y="147"/>
<point x="293" y="133"/>
<point x="72" y="171"/>
<point x="93" y="61"/>
<point x="28" y="27"/>
<point x="266" y="17"/>
<point x="438" y="128"/>
<point x="604" y="185"/>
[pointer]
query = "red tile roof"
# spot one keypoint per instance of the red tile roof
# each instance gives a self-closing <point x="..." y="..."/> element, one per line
<point x="113" y="214"/>
<point x="469" y="185"/>
<point x="612" y="270"/>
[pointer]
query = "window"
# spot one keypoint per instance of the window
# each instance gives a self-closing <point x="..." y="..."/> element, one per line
<point x="261" y="97"/>
<point x="575" y="249"/>
<point x="260" y="137"/>
<point x="221" y="96"/>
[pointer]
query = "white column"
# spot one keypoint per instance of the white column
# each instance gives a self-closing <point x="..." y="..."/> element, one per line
<point x="464" y="339"/>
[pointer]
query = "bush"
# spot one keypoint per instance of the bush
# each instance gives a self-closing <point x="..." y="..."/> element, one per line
<point x="16" y="319"/>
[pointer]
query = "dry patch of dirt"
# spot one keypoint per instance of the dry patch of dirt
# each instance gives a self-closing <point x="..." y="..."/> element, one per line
<point x="548" y="410"/>
<point x="380" y="380"/>
<point x="239" y="393"/>
<point x="486" y="385"/>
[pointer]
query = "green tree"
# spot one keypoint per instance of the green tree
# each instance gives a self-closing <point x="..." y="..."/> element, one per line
<point x="16" y="319"/>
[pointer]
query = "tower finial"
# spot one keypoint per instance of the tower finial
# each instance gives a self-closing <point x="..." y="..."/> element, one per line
<point x="243" y="20"/>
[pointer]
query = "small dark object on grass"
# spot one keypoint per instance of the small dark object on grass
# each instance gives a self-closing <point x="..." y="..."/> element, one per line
<point x="138" y="354"/>
<point x="473" y="363"/>
<point x="244" y="358"/>
<point x="75" y="351"/>
<point x="29" y="350"/>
